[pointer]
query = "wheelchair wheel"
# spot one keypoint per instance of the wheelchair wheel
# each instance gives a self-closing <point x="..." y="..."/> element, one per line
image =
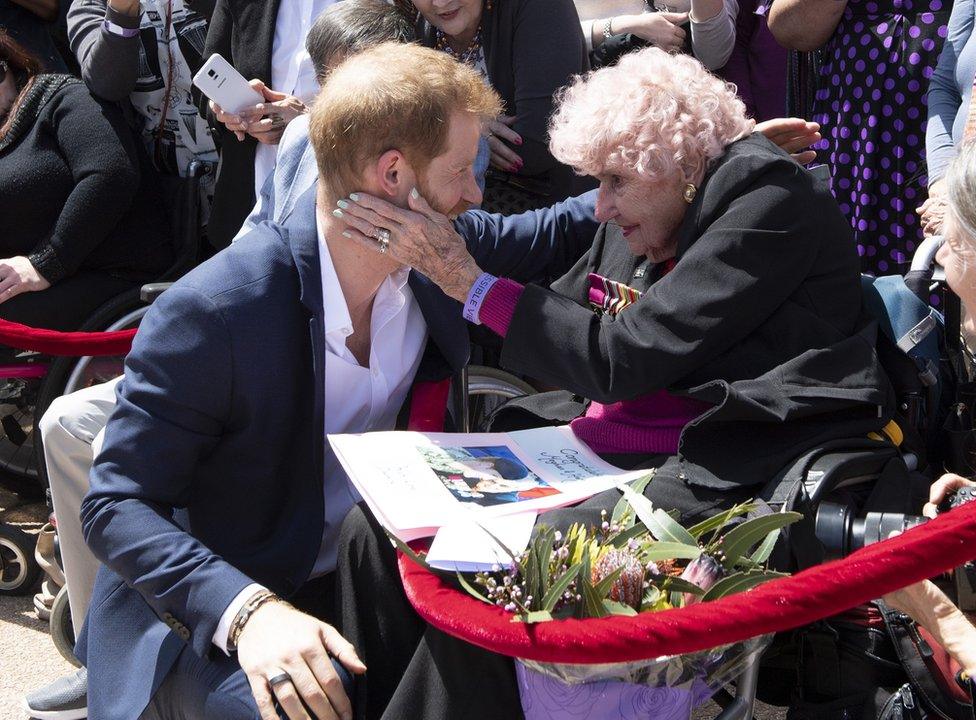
<point x="62" y="629"/>
<point x="489" y="388"/>
<point x="68" y="374"/>
<point x="18" y="568"/>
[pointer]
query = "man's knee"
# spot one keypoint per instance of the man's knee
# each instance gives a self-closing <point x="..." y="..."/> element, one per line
<point x="57" y="422"/>
<point x="72" y="418"/>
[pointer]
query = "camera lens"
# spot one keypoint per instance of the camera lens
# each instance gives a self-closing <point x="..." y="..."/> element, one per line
<point x="212" y="73"/>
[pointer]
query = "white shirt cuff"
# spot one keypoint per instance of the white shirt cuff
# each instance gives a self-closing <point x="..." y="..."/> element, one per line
<point x="222" y="633"/>
<point x="587" y="26"/>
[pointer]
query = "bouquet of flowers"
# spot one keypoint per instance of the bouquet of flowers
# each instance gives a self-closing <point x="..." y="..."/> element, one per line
<point x="640" y="559"/>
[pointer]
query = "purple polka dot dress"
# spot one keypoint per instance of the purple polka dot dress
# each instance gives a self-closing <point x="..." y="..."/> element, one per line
<point x="871" y="106"/>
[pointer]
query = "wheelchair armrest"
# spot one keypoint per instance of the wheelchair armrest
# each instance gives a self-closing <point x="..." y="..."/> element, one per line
<point x="151" y="291"/>
<point x="845" y="468"/>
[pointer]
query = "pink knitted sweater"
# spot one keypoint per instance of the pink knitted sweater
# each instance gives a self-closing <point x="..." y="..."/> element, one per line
<point x="650" y="424"/>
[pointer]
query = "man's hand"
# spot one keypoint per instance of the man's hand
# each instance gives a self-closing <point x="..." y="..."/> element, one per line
<point x="17" y="276"/>
<point x="794" y="135"/>
<point x="420" y="238"/>
<point x="932" y="211"/>
<point x="278" y="638"/>
<point x="945" y="485"/>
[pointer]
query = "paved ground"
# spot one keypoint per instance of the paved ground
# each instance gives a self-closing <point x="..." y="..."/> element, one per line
<point x="27" y="656"/>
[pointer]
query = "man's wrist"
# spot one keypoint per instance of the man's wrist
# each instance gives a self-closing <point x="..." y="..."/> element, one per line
<point x="256" y="601"/>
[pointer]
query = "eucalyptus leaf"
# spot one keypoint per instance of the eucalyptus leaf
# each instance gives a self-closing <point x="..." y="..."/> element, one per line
<point x="739" y="582"/>
<point x="627" y="535"/>
<point x="408" y="551"/>
<point x="670" y="551"/>
<point x="559" y="587"/>
<point x="500" y="544"/>
<point x="592" y="602"/>
<point x="472" y="590"/>
<point x="717" y="522"/>
<point x="740" y="539"/>
<point x="681" y="585"/>
<point x="671" y="530"/>
<point x="765" y="549"/>
<point x="536" y="616"/>
<point x="622" y="505"/>
<point x="618" y="608"/>
<point x="643" y="508"/>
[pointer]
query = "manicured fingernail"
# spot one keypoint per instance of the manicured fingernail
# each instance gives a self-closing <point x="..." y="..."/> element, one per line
<point x="414" y="194"/>
<point x="354" y="197"/>
<point x="346" y="233"/>
<point x="343" y="204"/>
<point x="518" y="141"/>
<point x="337" y="213"/>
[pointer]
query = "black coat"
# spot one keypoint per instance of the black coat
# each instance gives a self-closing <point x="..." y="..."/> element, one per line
<point x="242" y="31"/>
<point x="761" y="316"/>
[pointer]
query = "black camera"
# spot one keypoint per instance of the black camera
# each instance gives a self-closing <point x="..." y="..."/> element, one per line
<point x="842" y="532"/>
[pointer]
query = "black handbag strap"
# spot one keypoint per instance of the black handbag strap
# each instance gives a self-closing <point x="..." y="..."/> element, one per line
<point x="912" y="651"/>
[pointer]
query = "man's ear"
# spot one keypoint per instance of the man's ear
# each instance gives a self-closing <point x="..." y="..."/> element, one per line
<point x="392" y="172"/>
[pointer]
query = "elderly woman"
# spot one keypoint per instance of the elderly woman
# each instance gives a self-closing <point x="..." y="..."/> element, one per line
<point x="714" y="325"/>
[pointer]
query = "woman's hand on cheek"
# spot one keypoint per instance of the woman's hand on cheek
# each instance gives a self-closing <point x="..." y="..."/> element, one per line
<point x="420" y="238"/>
<point x="17" y="276"/>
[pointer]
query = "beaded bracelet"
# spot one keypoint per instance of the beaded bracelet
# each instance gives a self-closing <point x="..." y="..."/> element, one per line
<point x="244" y="614"/>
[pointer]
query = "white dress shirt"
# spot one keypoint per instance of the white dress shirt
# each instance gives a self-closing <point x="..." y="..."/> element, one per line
<point x="357" y="399"/>
<point x="291" y="69"/>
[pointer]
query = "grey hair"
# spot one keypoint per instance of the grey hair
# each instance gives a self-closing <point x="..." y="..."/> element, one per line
<point x="960" y="181"/>
<point x="348" y="27"/>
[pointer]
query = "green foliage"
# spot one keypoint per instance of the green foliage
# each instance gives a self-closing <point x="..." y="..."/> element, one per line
<point x="640" y="554"/>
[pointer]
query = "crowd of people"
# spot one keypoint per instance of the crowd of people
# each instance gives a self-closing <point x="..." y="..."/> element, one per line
<point x="618" y="200"/>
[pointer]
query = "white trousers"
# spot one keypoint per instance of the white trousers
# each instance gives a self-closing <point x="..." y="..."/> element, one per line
<point x="71" y="432"/>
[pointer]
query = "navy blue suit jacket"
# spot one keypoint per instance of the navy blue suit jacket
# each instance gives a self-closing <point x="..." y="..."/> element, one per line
<point x="220" y="415"/>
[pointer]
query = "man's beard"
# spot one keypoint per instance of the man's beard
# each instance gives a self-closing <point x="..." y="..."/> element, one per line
<point x="461" y="207"/>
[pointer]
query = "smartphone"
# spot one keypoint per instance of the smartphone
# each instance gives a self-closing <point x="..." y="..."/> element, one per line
<point x="220" y="82"/>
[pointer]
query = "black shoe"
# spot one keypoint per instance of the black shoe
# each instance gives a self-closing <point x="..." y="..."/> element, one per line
<point x="64" y="699"/>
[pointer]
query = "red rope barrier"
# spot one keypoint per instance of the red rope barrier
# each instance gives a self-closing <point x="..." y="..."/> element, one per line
<point x="816" y="593"/>
<point x="71" y="344"/>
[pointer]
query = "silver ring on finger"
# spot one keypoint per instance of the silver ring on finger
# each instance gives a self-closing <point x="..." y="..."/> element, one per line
<point x="383" y="239"/>
<point x="279" y="679"/>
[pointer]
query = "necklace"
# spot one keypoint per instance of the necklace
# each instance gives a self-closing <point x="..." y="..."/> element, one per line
<point x="468" y="56"/>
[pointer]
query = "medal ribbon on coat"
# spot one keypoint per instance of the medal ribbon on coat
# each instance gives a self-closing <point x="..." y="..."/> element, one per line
<point x="609" y="296"/>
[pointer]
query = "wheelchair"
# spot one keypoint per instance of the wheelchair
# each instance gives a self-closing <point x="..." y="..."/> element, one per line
<point x="854" y="491"/>
<point x="31" y="381"/>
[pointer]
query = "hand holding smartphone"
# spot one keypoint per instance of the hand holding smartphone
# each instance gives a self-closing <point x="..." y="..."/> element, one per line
<point x="221" y="82"/>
